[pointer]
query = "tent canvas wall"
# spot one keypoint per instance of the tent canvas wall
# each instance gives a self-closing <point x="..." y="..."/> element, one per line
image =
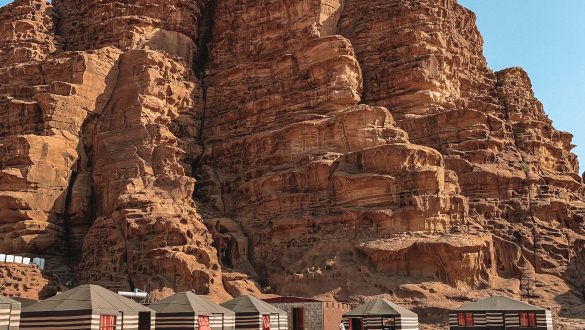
<point x="380" y="314"/>
<point x="252" y="313"/>
<point x="500" y="312"/>
<point x="9" y="314"/>
<point x="187" y="310"/>
<point x="87" y="307"/>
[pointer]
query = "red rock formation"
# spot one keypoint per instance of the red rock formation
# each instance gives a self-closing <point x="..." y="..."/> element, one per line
<point x="25" y="282"/>
<point x="423" y="60"/>
<point x="104" y="139"/>
<point x="143" y="142"/>
<point x="322" y="149"/>
<point x="172" y="25"/>
<point x="26" y="31"/>
<point x="44" y="102"/>
<point x="302" y="164"/>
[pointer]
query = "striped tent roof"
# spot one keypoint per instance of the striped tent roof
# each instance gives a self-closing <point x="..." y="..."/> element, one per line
<point x="87" y="297"/>
<point x="498" y="303"/>
<point x="8" y="301"/>
<point x="380" y="307"/>
<point x="249" y="304"/>
<point x="189" y="302"/>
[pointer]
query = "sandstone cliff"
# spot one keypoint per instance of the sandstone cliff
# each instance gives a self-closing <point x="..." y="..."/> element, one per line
<point x="316" y="148"/>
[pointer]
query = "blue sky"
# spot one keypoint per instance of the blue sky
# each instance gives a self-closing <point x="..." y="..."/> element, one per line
<point x="547" y="39"/>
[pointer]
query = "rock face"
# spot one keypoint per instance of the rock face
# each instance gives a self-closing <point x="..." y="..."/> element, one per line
<point x="25" y="282"/>
<point x="313" y="148"/>
<point x="303" y="165"/>
<point x="425" y="63"/>
<point x="96" y="150"/>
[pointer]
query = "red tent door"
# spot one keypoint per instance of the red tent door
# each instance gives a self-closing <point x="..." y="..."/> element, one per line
<point x="265" y="322"/>
<point x="204" y="323"/>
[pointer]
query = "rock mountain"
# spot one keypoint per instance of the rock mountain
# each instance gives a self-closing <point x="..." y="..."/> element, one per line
<point x="331" y="148"/>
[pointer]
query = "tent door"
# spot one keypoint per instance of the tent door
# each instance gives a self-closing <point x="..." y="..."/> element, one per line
<point x="298" y="319"/>
<point x="144" y="322"/>
<point x="107" y="322"/>
<point x="356" y="324"/>
<point x="265" y="322"/>
<point x="203" y="322"/>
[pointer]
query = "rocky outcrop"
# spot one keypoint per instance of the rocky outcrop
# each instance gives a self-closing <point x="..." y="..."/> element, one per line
<point x="311" y="148"/>
<point x="26" y="31"/>
<point x="25" y="281"/>
<point x="44" y="103"/>
<point x="169" y="25"/>
<point x="302" y="164"/>
<point x="97" y="148"/>
<point x="423" y="60"/>
<point x="148" y="233"/>
<point x="460" y="261"/>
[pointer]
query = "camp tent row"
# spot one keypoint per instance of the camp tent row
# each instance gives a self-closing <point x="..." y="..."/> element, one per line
<point x="93" y="307"/>
<point x="491" y="313"/>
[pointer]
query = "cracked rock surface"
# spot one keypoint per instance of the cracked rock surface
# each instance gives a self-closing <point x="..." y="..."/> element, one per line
<point x="315" y="148"/>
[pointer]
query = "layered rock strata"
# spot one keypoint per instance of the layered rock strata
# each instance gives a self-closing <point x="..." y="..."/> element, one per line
<point x="315" y="148"/>
<point x="303" y="165"/>
<point x="148" y="233"/>
<point x="97" y="146"/>
<point x="423" y="60"/>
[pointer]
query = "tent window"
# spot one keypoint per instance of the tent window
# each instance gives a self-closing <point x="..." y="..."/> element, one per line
<point x="388" y="323"/>
<point x="144" y="321"/>
<point x="469" y="319"/>
<point x="461" y="319"/>
<point x="107" y="322"/>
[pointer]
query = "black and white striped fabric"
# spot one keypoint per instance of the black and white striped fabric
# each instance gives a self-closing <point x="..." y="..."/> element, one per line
<point x="248" y="321"/>
<point x="508" y="319"/>
<point x="279" y="321"/>
<point x="373" y="312"/>
<point x="9" y="314"/>
<point x="82" y="308"/>
<point x="499" y="311"/>
<point x="60" y="320"/>
<point x="250" y="312"/>
<point x="222" y="322"/>
<point x="374" y="322"/>
<point x="75" y="320"/>
<point x="407" y="323"/>
<point x="182" y="311"/>
<point x="181" y="321"/>
<point x="254" y="321"/>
